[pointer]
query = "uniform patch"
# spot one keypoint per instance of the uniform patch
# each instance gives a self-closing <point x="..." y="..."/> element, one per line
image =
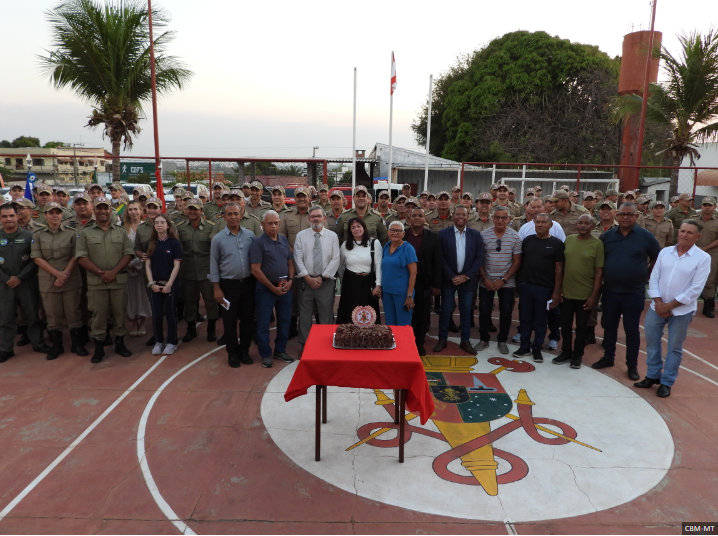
<point x="25" y="258"/>
<point x="3" y="242"/>
<point x="19" y="240"/>
<point x="2" y="260"/>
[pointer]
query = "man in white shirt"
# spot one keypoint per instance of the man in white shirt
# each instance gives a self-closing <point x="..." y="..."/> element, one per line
<point x="676" y="283"/>
<point x="530" y="229"/>
<point x="316" y="255"/>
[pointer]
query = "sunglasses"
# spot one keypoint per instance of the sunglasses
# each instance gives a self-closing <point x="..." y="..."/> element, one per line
<point x="498" y="244"/>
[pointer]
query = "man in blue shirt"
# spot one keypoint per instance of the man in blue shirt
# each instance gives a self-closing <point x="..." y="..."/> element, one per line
<point x="273" y="267"/>
<point x="625" y="273"/>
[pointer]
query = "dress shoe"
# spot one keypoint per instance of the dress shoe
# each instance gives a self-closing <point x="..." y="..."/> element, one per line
<point x="453" y="328"/>
<point x="233" y="360"/>
<point x="633" y="374"/>
<point x="646" y="383"/>
<point x="191" y="332"/>
<point x="503" y="349"/>
<point x="591" y="335"/>
<point x="420" y="348"/>
<point x="560" y="359"/>
<point x="663" y="391"/>
<point x="283" y="356"/>
<point x="246" y="359"/>
<point x="466" y="347"/>
<point x="602" y="363"/>
<point x="492" y="328"/>
<point x="481" y="346"/>
<point x="537" y="355"/>
<point x="4" y="356"/>
<point x="24" y="339"/>
<point x="439" y="346"/>
<point x="220" y="341"/>
<point x="42" y="348"/>
<point x="211" y="327"/>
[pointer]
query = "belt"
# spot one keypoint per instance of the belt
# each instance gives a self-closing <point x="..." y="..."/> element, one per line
<point x="245" y="280"/>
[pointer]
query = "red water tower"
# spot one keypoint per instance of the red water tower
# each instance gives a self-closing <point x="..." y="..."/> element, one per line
<point x="633" y="70"/>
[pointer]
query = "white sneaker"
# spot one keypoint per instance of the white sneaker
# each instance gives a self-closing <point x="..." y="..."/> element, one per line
<point x="170" y="349"/>
<point x="552" y="345"/>
<point x="517" y="338"/>
<point x="157" y="350"/>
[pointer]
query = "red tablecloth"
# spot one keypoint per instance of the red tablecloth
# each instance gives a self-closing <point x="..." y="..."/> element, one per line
<point x="401" y="368"/>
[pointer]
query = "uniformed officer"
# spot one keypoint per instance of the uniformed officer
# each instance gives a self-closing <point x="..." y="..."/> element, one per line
<point x="105" y="250"/>
<point x="336" y="200"/>
<point x="660" y="226"/>
<point x="512" y="196"/>
<point x="455" y="197"/>
<point x="441" y="218"/>
<point x="467" y="200"/>
<point x="566" y="212"/>
<point x="573" y="196"/>
<point x="606" y="219"/>
<point x="597" y="196"/>
<point x="195" y="234"/>
<point x="589" y="203"/>
<point x="25" y="209"/>
<point x="642" y="207"/>
<point x="481" y="220"/>
<point x="502" y="200"/>
<point x="53" y="250"/>
<point x="399" y="211"/>
<point x="17" y="191"/>
<point x="424" y="200"/>
<point x="494" y="189"/>
<point x="431" y="203"/>
<point x="323" y="200"/>
<point x="682" y="212"/>
<point x="374" y="223"/>
<point x="62" y="198"/>
<point x="673" y="202"/>
<point x="248" y="221"/>
<point x="255" y="205"/>
<point x="278" y="204"/>
<point x="18" y="283"/>
<point x="406" y="190"/>
<point x="203" y="194"/>
<point x="246" y="190"/>
<point x="43" y="197"/>
<point x="116" y="190"/>
<point x="708" y="242"/>
<point x="215" y="205"/>
<point x="383" y="205"/>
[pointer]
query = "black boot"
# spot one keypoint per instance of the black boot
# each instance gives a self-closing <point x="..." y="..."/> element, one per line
<point x="293" y="332"/>
<point x="211" y="330"/>
<point x="198" y="317"/>
<point x="84" y="332"/>
<point x="708" y="308"/>
<point x="108" y="337"/>
<point x="99" y="351"/>
<point x="76" y="338"/>
<point x="24" y="339"/>
<point x="57" y="348"/>
<point x="591" y="335"/>
<point x="191" y="332"/>
<point x="120" y="347"/>
<point x="43" y="348"/>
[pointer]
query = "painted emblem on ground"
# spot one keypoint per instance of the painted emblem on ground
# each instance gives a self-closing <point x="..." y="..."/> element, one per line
<point x="507" y="440"/>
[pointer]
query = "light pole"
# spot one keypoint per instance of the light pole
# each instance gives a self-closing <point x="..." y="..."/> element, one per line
<point x="314" y="151"/>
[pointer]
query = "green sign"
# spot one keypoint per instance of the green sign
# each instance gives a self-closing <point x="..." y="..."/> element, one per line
<point x="132" y="169"/>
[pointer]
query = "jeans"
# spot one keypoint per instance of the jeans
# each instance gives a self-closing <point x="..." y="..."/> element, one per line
<point x="569" y="309"/>
<point x="630" y="305"/>
<point x="394" y="312"/>
<point x="240" y="295"/>
<point x="266" y="300"/>
<point x="533" y="314"/>
<point x="554" y="324"/>
<point x="466" y="300"/>
<point x="421" y="319"/>
<point x="677" y="330"/>
<point x="506" y="307"/>
<point x="165" y="305"/>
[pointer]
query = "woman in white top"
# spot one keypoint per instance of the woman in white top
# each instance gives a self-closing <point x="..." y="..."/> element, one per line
<point x="361" y="280"/>
<point x="138" y="304"/>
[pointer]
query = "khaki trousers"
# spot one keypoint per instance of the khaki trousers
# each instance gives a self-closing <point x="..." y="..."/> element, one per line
<point x="62" y="309"/>
<point x="106" y="304"/>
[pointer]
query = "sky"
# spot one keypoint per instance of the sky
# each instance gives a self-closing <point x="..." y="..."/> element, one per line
<point x="276" y="78"/>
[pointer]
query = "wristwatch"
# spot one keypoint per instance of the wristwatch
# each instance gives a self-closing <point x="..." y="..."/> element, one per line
<point x="150" y="284"/>
<point x="502" y="279"/>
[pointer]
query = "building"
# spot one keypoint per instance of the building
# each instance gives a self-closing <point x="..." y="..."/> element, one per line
<point x="59" y="165"/>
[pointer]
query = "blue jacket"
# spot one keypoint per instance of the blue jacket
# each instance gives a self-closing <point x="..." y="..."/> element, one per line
<point x="474" y="258"/>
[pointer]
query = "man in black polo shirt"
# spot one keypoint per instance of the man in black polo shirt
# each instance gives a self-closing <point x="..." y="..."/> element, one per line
<point x="625" y="274"/>
<point x="540" y="290"/>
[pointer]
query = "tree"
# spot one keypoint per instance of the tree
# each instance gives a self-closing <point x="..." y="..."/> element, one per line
<point x="686" y="103"/>
<point x="26" y="141"/>
<point x="5" y="144"/>
<point x="525" y="97"/>
<point x="55" y="144"/>
<point x="102" y="53"/>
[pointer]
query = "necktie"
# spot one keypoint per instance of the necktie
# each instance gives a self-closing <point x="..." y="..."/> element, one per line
<point x="318" y="264"/>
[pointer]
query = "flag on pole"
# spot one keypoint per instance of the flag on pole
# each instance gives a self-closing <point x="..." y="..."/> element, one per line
<point x="160" y="188"/>
<point x="393" y="73"/>
<point x="29" y="183"/>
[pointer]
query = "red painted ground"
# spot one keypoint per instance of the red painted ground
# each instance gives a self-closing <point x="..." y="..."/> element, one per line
<point x="217" y="467"/>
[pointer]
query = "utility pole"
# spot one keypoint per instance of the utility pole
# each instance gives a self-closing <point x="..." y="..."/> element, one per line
<point x="74" y="162"/>
<point x="314" y="151"/>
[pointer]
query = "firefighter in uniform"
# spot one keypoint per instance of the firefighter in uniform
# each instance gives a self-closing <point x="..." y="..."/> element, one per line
<point x="374" y="223"/>
<point x="62" y="197"/>
<point x="214" y="206"/>
<point x="278" y="204"/>
<point x="195" y="235"/>
<point x="660" y="226"/>
<point x="248" y="221"/>
<point x="682" y="212"/>
<point x="481" y="220"/>
<point x="455" y="198"/>
<point x="323" y="200"/>
<point x="502" y="200"/>
<point x="25" y="209"/>
<point x="203" y="194"/>
<point x="441" y="218"/>
<point x="336" y="200"/>
<point x="566" y="212"/>
<point x="528" y="215"/>
<point x="43" y="197"/>
<point x="255" y="205"/>
<point x="708" y="242"/>
<point x="383" y="206"/>
<point x="105" y="250"/>
<point x="399" y="211"/>
<point x="642" y="206"/>
<point x="53" y="250"/>
<point x="17" y="191"/>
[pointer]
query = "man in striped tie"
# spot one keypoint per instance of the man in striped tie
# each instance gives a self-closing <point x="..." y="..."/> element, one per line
<point x="316" y="256"/>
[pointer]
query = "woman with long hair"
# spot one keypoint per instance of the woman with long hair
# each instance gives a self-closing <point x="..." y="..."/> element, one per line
<point x="361" y="278"/>
<point x="121" y="207"/>
<point x="164" y="255"/>
<point x="138" y="304"/>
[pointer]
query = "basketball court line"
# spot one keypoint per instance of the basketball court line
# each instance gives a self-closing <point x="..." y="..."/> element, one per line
<point x="5" y="511"/>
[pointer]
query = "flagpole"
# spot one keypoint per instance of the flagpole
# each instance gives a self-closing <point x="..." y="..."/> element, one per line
<point x="428" y="134"/>
<point x="391" y="120"/>
<point x="158" y="163"/>
<point x="354" y="135"/>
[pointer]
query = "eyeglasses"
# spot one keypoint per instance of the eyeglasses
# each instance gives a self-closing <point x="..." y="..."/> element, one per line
<point x="501" y="217"/>
<point x="396" y="230"/>
<point x="626" y="214"/>
<point x="498" y="243"/>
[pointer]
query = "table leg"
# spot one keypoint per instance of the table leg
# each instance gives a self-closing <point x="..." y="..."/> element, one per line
<point x="324" y="404"/>
<point x="318" y="425"/>
<point x="402" y="423"/>
<point x="396" y="406"/>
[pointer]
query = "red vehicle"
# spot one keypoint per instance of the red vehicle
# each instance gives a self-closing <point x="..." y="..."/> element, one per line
<point x="347" y="191"/>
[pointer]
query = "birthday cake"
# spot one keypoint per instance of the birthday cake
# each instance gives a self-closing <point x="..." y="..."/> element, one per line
<point x="353" y="336"/>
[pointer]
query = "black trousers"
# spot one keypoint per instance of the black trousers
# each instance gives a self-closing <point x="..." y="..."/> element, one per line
<point x="240" y="295"/>
<point x="506" y="306"/>
<point x="421" y="317"/>
<point x="569" y="310"/>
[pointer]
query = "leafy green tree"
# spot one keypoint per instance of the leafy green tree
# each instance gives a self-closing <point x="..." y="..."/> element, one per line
<point x="686" y="103"/>
<point x="55" y="144"/>
<point x="525" y="97"/>
<point x="102" y="52"/>
<point x="5" y="144"/>
<point x="141" y="178"/>
<point x="26" y="141"/>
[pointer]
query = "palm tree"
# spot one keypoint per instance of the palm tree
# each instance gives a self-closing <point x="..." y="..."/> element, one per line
<point x="687" y="102"/>
<point x="102" y="53"/>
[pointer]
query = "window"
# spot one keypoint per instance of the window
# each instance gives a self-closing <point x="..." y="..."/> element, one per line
<point x="38" y="161"/>
<point x="7" y="161"/>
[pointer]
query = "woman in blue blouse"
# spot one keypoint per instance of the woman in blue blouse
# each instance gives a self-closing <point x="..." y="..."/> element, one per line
<point x="398" y="268"/>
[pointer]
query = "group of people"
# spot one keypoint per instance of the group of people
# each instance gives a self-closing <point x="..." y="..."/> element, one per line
<point x="110" y="260"/>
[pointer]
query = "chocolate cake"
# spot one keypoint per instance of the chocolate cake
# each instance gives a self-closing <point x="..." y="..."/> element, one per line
<point x="351" y="336"/>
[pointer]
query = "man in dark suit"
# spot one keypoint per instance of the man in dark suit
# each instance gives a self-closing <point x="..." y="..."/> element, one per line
<point x="462" y="254"/>
<point x="428" y="274"/>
